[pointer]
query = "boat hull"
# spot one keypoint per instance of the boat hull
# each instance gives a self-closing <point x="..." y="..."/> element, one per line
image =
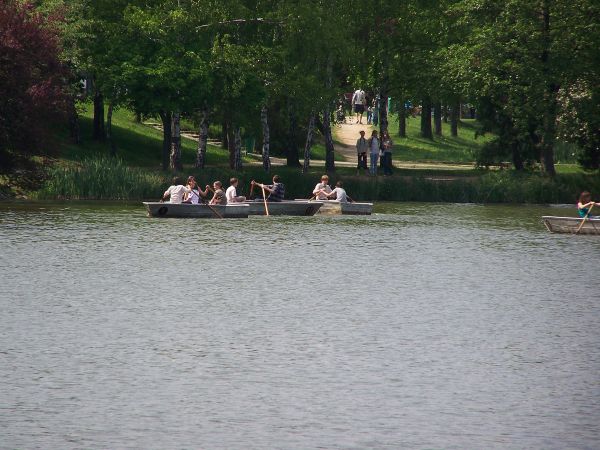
<point x="332" y="207"/>
<point x="285" y="208"/>
<point x="571" y="224"/>
<point x="158" y="209"/>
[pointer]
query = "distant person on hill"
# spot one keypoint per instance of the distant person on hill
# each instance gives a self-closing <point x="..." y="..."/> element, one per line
<point x="276" y="190"/>
<point x="218" y="196"/>
<point x="361" y="151"/>
<point x="193" y="196"/>
<point x="373" y="144"/>
<point x="322" y="189"/>
<point x="386" y="146"/>
<point x="231" y="193"/>
<point x="359" y="100"/>
<point x="339" y="193"/>
<point x="585" y="205"/>
<point x="176" y="191"/>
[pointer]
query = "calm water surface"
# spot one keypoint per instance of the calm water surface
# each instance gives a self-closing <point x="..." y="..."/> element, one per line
<point x="429" y="326"/>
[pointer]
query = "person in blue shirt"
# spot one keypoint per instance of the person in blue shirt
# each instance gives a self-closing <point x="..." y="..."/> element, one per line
<point x="276" y="190"/>
<point x="585" y="205"/>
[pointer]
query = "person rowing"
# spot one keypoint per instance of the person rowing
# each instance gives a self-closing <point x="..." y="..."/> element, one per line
<point x="339" y="193"/>
<point x="276" y="190"/>
<point x="193" y="196"/>
<point x="219" y="195"/>
<point x="585" y="205"/>
<point x="176" y="191"/>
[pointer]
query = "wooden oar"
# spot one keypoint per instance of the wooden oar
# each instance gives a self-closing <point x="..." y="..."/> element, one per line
<point x="265" y="199"/>
<point x="214" y="210"/>
<point x="584" y="219"/>
<point x="251" y="191"/>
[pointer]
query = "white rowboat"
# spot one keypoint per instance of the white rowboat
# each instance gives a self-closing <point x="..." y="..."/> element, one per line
<point x="333" y="207"/>
<point x="571" y="224"/>
<point x="160" y="209"/>
<point x="285" y="208"/>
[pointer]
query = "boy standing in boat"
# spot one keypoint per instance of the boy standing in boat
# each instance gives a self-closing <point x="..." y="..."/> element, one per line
<point x="339" y="193"/>
<point x="276" y="190"/>
<point x="322" y="189"/>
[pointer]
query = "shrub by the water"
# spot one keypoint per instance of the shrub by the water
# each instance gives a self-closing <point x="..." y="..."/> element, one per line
<point x="101" y="178"/>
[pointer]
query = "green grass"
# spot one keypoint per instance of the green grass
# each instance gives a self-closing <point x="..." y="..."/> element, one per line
<point x="137" y="144"/>
<point x="457" y="150"/>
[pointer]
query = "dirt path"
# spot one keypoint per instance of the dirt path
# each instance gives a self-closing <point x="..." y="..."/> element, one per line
<point x="346" y="134"/>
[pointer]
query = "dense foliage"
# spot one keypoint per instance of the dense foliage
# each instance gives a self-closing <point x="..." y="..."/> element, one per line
<point x="275" y="69"/>
<point x="33" y="81"/>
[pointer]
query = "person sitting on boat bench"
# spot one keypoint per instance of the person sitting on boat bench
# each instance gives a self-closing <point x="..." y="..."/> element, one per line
<point x="339" y="193"/>
<point x="231" y="193"/>
<point x="585" y="204"/>
<point x="176" y="191"/>
<point x="193" y="196"/>
<point x="219" y="196"/>
<point x="322" y="189"/>
<point x="276" y="190"/>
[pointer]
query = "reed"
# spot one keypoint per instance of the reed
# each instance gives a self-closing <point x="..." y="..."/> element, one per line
<point x="101" y="178"/>
<point x="105" y="178"/>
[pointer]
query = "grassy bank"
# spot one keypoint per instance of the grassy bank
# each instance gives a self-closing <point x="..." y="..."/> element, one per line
<point x="108" y="179"/>
<point x="85" y="172"/>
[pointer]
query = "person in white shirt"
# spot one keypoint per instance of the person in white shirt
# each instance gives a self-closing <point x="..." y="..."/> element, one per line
<point x="359" y="100"/>
<point x="339" y="193"/>
<point x="322" y="189"/>
<point x="176" y="191"/>
<point x="231" y="193"/>
<point x="374" y="151"/>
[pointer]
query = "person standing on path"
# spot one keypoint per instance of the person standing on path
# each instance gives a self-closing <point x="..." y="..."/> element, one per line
<point x="387" y="145"/>
<point x="373" y="144"/>
<point x="361" y="151"/>
<point x="359" y="100"/>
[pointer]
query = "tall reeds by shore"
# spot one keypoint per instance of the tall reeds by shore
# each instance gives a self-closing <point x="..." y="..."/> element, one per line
<point x="105" y="178"/>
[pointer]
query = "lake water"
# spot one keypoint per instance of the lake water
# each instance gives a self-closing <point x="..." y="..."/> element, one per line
<point x="422" y="326"/>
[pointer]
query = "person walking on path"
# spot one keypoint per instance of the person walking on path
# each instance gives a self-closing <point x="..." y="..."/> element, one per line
<point x="387" y="145"/>
<point x="373" y="144"/>
<point x="359" y="99"/>
<point x="361" y="151"/>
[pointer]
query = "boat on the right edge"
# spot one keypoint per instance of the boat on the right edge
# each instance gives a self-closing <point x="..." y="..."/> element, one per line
<point x="571" y="225"/>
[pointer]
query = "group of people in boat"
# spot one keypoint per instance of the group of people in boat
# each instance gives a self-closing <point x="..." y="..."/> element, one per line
<point x="192" y="193"/>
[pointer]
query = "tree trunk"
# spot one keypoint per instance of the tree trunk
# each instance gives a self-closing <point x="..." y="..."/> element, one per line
<point x="165" y="117"/>
<point x="74" y="130"/>
<point x="231" y="143"/>
<point x="437" y="118"/>
<point x="224" y="136"/>
<point x="549" y="119"/>
<point x="292" y="157"/>
<point x="109" y="134"/>
<point x="329" y="148"/>
<point x="175" y="157"/>
<point x="445" y="113"/>
<point x="454" y="118"/>
<point x="98" y="133"/>
<point x="383" y="113"/>
<point x="202" y="140"/>
<point x="138" y="117"/>
<point x="309" y="141"/>
<point x="237" y="163"/>
<point x="402" y="119"/>
<point x="516" y="156"/>
<point x="264" y="119"/>
<point x="426" y="120"/>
